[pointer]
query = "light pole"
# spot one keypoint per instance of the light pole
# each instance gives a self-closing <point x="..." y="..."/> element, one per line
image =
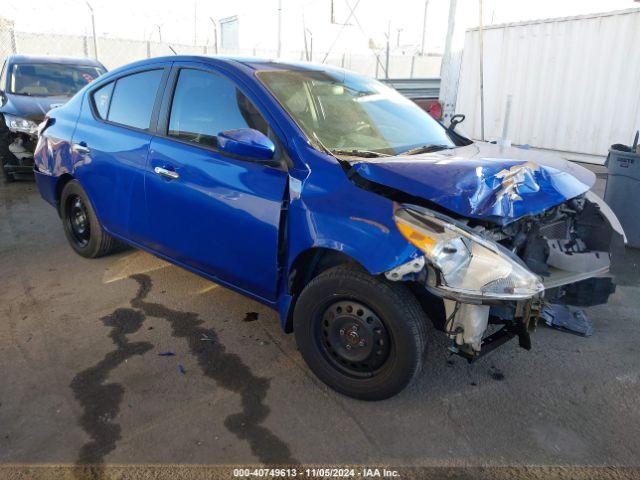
<point x="386" y="57"/>
<point x="279" y="28"/>
<point x="159" y="32"/>
<point x="215" y="35"/>
<point x="195" y="23"/>
<point x="93" y="26"/>
<point x="424" y="27"/>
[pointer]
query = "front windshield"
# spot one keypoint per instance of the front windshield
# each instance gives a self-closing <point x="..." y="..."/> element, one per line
<point x="50" y="80"/>
<point x="351" y="113"/>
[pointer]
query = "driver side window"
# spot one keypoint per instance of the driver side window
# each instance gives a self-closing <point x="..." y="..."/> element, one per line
<point x="205" y="104"/>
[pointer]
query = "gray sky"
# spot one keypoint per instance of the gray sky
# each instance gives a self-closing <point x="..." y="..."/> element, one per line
<point x="137" y="19"/>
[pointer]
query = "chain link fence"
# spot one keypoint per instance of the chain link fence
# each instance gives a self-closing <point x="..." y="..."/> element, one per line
<point x="114" y="52"/>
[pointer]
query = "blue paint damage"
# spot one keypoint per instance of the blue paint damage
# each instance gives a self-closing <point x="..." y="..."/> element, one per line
<point x="482" y="181"/>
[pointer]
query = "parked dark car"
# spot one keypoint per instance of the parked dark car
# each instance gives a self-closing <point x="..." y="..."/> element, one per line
<point x="30" y="86"/>
<point x="332" y="199"/>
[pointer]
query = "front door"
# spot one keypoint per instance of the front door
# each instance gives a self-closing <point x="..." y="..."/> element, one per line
<point x="217" y="214"/>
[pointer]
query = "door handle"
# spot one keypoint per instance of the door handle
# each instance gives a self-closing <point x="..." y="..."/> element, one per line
<point x="80" y="148"/>
<point x="166" y="173"/>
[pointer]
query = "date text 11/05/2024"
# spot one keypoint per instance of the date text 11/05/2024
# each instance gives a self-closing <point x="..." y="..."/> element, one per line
<point x="363" y="472"/>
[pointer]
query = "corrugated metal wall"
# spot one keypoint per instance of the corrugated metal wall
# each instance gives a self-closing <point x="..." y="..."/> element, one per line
<point x="574" y="82"/>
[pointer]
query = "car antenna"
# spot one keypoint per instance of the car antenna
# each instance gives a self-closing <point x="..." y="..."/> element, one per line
<point x="173" y="50"/>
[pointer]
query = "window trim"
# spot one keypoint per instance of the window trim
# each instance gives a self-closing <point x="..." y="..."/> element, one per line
<point x="156" y="104"/>
<point x="281" y="156"/>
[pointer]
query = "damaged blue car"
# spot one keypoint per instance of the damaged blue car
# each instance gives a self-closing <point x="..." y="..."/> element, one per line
<point x="332" y="199"/>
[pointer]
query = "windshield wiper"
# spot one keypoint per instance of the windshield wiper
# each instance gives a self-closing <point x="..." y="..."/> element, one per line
<point x="359" y="153"/>
<point x="425" y="149"/>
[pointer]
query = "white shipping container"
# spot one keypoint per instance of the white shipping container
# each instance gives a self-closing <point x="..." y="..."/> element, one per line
<point x="574" y="82"/>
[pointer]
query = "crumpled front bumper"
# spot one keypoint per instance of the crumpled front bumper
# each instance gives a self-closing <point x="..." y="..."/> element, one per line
<point x="573" y="280"/>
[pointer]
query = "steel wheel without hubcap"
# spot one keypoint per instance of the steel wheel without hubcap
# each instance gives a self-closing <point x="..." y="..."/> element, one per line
<point x="78" y="221"/>
<point x="353" y="338"/>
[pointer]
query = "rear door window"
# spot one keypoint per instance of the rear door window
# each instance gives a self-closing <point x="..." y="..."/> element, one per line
<point x="205" y="104"/>
<point x="133" y="99"/>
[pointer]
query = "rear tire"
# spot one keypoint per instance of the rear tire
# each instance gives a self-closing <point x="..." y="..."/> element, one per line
<point x="363" y="336"/>
<point x="81" y="226"/>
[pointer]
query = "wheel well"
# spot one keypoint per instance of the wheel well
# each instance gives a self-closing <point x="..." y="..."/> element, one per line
<point x="308" y="265"/>
<point x="62" y="181"/>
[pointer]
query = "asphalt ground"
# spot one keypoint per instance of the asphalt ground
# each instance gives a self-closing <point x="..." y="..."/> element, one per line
<point x="84" y="380"/>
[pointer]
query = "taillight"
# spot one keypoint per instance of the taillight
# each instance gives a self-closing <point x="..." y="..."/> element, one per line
<point x="435" y="110"/>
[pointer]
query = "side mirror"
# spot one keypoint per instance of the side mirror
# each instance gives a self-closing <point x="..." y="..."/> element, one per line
<point x="246" y="143"/>
<point x="457" y="119"/>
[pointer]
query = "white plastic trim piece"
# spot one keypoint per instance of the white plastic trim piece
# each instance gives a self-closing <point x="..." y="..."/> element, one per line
<point x="413" y="266"/>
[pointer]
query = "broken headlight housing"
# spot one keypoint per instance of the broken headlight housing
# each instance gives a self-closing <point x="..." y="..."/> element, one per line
<point x="466" y="265"/>
<point x="19" y="124"/>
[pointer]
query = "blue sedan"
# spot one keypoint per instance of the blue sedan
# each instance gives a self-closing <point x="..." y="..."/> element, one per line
<point x="332" y="199"/>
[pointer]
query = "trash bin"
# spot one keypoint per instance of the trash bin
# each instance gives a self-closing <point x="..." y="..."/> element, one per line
<point x="623" y="190"/>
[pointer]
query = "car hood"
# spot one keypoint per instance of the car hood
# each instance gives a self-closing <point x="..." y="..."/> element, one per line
<point x="482" y="181"/>
<point x="32" y="108"/>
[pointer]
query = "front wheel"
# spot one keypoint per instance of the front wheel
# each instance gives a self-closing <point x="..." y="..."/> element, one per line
<point x="81" y="226"/>
<point x="363" y="336"/>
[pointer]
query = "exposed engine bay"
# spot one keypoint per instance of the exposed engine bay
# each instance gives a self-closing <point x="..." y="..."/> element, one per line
<point x="567" y="248"/>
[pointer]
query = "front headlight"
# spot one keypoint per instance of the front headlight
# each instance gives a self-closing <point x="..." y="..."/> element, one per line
<point x="19" y="124"/>
<point x="467" y="263"/>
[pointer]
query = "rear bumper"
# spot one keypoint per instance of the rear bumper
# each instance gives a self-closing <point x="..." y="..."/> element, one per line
<point x="21" y="169"/>
<point x="47" y="185"/>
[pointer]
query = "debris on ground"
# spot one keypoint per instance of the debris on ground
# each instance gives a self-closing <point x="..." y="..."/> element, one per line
<point x="166" y="354"/>
<point x="251" y="317"/>
<point x="568" y="319"/>
<point x="206" y="338"/>
<point x="182" y="370"/>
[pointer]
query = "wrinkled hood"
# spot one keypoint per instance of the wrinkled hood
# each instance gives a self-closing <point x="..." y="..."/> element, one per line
<point x="482" y="180"/>
<point x="32" y="108"/>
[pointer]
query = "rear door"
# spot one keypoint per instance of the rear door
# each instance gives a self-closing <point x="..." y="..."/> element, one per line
<point x="111" y="143"/>
<point x="219" y="215"/>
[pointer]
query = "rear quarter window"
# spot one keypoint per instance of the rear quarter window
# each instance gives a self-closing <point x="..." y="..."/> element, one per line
<point x="102" y="98"/>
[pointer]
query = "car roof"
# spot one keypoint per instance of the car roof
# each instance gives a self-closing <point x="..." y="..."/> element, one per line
<point x="253" y="63"/>
<point x="22" y="59"/>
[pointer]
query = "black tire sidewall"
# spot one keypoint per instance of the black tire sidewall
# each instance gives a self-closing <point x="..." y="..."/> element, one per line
<point x="92" y="249"/>
<point x="407" y="350"/>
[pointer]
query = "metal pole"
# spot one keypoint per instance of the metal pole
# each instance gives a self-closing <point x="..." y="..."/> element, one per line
<point x="386" y="59"/>
<point x="159" y="33"/>
<point x="215" y="35"/>
<point x="93" y="26"/>
<point x="424" y="27"/>
<point x="195" y="23"/>
<point x="279" y="28"/>
<point x="306" y="47"/>
<point x="481" y="76"/>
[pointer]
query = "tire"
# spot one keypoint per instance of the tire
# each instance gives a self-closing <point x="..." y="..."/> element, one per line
<point x="388" y="318"/>
<point x="8" y="177"/>
<point x="81" y="226"/>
